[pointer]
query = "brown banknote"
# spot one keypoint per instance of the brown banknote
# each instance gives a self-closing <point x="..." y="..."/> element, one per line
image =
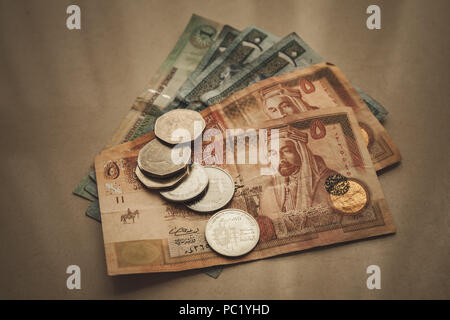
<point x="320" y="86"/>
<point x="324" y="191"/>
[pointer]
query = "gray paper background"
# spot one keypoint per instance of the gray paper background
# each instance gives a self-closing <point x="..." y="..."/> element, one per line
<point x="63" y="93"/>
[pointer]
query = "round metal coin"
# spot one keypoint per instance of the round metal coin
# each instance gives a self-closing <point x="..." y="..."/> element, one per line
<point x="219" y="192"/>
<point x="155" y="183"/>
<point x="189" y="120"/>
<point x="232" y="232"/>
<point x="155" y="159"/>
<point x="189" y="188"/>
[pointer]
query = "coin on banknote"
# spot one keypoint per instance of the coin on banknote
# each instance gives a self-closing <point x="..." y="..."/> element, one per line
<point x="219" y="192"/>
<point x="232" y="232"/>
<point x="194" y="184"/>
<point x="155" y="183"/>
<point x="179" y="126"/>
<point x="155" y="159"/>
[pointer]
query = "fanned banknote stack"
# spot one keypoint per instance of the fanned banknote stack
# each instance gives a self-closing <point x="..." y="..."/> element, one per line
<point x="331" y="144"/>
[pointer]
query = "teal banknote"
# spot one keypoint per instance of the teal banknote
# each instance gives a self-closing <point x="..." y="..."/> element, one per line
<point x="223" y="41"/>
<point x="245" y="48"/>
<point x="81" y="192"/>
<point x="92" y="176"/>
<point x="93" y="211"/>
<point x="91" y="188"/>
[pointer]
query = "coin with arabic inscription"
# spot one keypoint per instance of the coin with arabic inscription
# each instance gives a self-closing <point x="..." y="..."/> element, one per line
<point x="179" y="126"/>
<point x="232" y="232"/>
<point x="155" y="183"/>
<point x="219" y="192"/>
<point x="155" y="159"/>
<point x="194" y="184"/>
<point x="354" y="200"/>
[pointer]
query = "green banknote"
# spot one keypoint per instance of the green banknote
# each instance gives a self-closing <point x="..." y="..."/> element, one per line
<point x="92" y="176"/>
<point x="214" y="272"/>
<point x="91" y="188"/>
<point x="245" y="48"/>
<point x="93" y="211"/>
<point x="81" y="192"/>
<point x="223" y="41"/>
<point x="288" y="54"/>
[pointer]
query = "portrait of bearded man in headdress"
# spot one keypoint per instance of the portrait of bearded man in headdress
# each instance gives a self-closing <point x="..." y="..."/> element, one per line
<point x="299" y="183"/>
<point x="280" y="101"/>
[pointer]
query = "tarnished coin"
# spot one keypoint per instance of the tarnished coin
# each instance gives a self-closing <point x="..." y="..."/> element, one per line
<point x="155" y="158"/>
<point x="155" y="183"/>
<point x="189" y="120"/>
<point x="219" y="192"/>
<point x="232" y="232"/>
<point x="189" y="188"/>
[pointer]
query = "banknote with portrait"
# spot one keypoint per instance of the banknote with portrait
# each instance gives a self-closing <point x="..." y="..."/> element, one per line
<point x="323" y="190"/>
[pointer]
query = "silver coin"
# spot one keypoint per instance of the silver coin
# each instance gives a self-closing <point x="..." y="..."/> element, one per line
<point x="185" y="119"/>
<point x="219" y="192"/>
<point x="232" y="232"/>
<point x="155" y="159"/>
<point x="155" y="183"/>
<point x="194" y="184"/>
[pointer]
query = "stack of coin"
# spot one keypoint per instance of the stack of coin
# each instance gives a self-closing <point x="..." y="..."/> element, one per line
<point x="155" y="167"/>
<point x="191" y="187"/>
<point x="156" y="170"/>
<point x="202" y="189"/>
<point x="220" y="191"/>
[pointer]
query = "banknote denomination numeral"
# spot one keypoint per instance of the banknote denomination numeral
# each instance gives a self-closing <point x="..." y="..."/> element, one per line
<point x="374" y="20"/>
<point x="307" y="86"/>
<point x="120" y="200"/>
<point x="203" y="36"/>
<point x="318" y="130"/>
<point x="74" y="280"/>
<point x="74" y="20"/>
<point x="374" y="280"/>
